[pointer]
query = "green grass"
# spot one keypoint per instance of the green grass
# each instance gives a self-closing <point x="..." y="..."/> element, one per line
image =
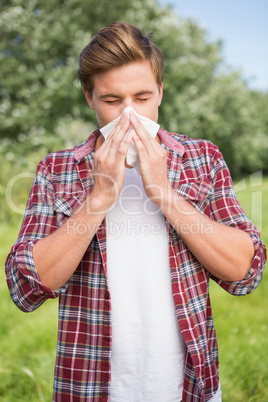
<point x="242" y="322"/>
<point x="28" y="341"/>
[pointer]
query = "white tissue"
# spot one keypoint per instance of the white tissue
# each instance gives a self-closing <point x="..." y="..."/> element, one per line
<point x="132" y="157"/>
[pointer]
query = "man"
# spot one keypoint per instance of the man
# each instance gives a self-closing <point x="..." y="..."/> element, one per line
<point x="130" y="256"/>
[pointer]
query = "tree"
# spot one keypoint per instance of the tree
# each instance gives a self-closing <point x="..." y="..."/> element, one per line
<point x="40" y="97"/>
<point x="39" y="58"/>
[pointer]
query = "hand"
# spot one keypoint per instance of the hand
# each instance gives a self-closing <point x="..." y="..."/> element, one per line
<point x="153" y="163"/>
<point x="109" y="165"/>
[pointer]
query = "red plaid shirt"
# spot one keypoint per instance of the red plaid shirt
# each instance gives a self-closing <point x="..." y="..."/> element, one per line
<point x="197" y="171"/>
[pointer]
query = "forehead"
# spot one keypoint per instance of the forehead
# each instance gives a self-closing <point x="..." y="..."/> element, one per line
<point x="136" y="76"/>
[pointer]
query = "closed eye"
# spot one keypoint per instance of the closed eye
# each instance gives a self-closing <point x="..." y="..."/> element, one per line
<point x="113" y="101"/>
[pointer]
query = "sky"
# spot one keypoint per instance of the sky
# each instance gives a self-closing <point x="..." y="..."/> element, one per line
<point x="243" y="27"/>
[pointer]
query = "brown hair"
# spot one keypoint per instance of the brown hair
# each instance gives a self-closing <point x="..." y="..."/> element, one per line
<point x="114" y="46"/>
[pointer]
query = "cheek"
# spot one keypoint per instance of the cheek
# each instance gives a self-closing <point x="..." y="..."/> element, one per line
<point x="149" y="111"/>
<point x="106" y="115"/>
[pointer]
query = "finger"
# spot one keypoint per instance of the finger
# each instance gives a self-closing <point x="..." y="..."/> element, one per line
<point x="126" y="142"/>
<point x="116" y="135"/>
<point x="119" y="131"/>
<point x="142" y="152"/>
<point x="109" y="157"/>
<point x="141" y="131"/>
<point x="150" y="143"/>
<point x="118" y="154"/>
<point x="155" y="153"/>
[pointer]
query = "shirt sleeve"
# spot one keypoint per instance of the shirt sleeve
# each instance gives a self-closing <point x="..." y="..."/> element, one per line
<point x="25" y="286"/>
<point x="227" y="210"/>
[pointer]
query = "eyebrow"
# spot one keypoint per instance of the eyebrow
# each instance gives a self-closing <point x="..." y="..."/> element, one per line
<point x="146" y="92"/>
<point x="111" y="95"/>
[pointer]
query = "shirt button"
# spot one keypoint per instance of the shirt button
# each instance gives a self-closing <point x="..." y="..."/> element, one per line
<point x="106" y="295"/>
<point x="104" y="394"/>
<point x="105" y="379"/>
<point x="106" y="339"/>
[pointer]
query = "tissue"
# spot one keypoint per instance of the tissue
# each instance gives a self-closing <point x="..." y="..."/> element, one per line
<point x="152" y="127"/>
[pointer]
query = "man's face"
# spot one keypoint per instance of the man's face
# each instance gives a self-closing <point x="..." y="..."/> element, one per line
<point x="130" y="85"/>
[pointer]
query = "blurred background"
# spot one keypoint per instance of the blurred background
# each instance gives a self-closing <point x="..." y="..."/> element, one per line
<point x="215" y="87"/>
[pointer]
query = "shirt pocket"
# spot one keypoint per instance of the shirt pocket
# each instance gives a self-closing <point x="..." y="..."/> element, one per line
<point x="197" y="192"/>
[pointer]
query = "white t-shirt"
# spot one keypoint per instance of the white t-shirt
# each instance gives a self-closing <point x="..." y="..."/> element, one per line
<point x="148" y="352"/>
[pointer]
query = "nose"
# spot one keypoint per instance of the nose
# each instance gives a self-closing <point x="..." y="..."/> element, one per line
<point x="127" y="103"/>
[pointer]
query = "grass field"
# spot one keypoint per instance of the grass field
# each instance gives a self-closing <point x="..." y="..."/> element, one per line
<point x="28" y="341"/>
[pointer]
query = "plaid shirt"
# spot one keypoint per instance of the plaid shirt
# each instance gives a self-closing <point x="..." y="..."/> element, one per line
<point x="197" y="171"/>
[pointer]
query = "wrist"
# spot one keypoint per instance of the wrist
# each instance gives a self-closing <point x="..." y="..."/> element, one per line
<point x="167" y="201"/>
<point x="172" y="204"/>
<point x="162" y="197"/>
<point x="97" y="203"/>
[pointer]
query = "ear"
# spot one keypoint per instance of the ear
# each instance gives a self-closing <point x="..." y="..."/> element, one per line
<point x="88" y="98"/>
<point x="160" y="94"/>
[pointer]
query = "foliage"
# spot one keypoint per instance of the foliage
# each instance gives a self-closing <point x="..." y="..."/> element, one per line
<point x="43" y="108"/>
<point x="39" y="51"/>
